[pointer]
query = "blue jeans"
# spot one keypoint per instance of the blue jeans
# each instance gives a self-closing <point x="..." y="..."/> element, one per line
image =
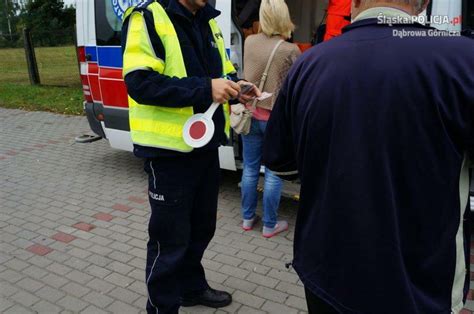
<point x="252" y="151"/>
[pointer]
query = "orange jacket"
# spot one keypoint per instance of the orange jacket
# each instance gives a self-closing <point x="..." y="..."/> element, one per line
<point x="339" y="12"/>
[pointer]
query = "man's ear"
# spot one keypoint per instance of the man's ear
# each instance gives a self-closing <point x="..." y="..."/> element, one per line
<point x="356" y="3"/>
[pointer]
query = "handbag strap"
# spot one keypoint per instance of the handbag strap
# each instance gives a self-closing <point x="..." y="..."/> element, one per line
<point x="265" y="73"/>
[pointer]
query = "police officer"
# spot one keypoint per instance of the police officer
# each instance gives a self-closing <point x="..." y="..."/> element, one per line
<point x="175" y="65"/>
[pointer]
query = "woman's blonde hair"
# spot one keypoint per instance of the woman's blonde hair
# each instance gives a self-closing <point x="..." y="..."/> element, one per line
<point x="275" y="18"/>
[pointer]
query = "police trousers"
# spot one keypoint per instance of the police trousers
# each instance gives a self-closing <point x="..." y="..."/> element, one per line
<point x="183" y="194"/>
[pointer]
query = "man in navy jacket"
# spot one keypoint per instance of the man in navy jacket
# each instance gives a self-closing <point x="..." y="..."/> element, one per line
<point x="378" y="123"/>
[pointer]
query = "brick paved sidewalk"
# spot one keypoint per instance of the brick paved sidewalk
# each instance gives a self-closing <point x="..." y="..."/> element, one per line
<point x="73" y="229"/>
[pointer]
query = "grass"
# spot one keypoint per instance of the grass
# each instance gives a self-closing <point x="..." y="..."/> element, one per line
<point x="61" y="90"/>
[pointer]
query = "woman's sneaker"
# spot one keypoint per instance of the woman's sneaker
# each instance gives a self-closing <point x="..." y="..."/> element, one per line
<point x="280" y="226"/>
<point x="248" y="224"/>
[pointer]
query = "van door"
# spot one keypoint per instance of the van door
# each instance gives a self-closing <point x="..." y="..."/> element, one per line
<point x="450" y="9"/>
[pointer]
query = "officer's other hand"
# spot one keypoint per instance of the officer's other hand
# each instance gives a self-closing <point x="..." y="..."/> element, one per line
<point x="223" y="90"/>
<point x="250" y="94"/>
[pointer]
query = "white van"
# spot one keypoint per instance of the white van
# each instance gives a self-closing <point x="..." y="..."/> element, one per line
<point x="100" y="56"/>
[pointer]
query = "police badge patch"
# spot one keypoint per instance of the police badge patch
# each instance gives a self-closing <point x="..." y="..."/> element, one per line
<point x="120" y="6"/>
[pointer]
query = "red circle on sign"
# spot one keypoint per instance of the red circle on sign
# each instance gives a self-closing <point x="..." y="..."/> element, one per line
<point x="197" y="130"/>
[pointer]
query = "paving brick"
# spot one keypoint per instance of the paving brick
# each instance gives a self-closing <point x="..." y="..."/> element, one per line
<point x="274" y="263"/>
<point x="98" y="299"/>
<point x="93" y="310"/>
<point x="17" y="309"/>
<point x="45" y="307"/>
<point x="72" y="303"/>
<point x="234" y="271"/>
<point x="103" y="216"/>
<point x="287" y="276"/>
<point x="136" y="199"/>
<point x="215" y="276"/>
<point x="24" y="298"/>
<point x="224" y="249"/>
<point x="29" y="284"/>
<point x="119" y="307"/>
<point x="119" y="280"/>
<point x="99" y="260"/>
<point x="124" y="295"/>
<point x="101" y="240"/>
<point x="296" y="302"/>
<point x="240" y="284"/>
<point x="270" y="294"/>
<point x="248" y="310"/>
<point x="63" y="237"/>
<point x="5" y="304"/>
<point x="83" y="226"/>
<point x="261" y="242"/>
<point x="120" y="268"/>
<point x="121" y="207"/>
<point x="76" y="263"/>
<point x="100" y="285"/>
<point x="50" y="294"/>
<point x="290" y="288"/>
<point x="226" y="259"/>
<point x="262" y="280"/>
<point x="248" y="299"/>
<point x="243" y="246"/>
<point x="11" y="276"/>
<point x="39" y="249"/>
<point x="254" y="267"/>
<point x="79" y="276"/>
<point x="268" y="253"/>
<point x="277" y="308"/>
<point x="16" y="264"/>
<point x="59" y="269"/>
<point x="79" y="253"/>
<point x="121" y="256"/>
<point x="250" y="256"/>
<point x="7" y="289"/>
<point x="54" y="280"/>
<point x="75" y="289"/>
<point x="97" y="271"/>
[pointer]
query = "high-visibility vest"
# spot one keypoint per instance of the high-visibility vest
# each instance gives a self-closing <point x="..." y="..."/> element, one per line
<point x="156" y="126"/>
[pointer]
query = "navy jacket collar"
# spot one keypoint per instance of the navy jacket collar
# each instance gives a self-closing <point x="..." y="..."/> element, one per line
<point x="174" y="7"/>
<point x="374" y="22"/>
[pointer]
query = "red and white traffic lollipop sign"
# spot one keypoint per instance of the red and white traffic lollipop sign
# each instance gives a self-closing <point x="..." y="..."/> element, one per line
<point x="199" y="129"/>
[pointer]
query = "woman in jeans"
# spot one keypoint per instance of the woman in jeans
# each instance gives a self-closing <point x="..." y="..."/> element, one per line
<point x="275" y="25"/>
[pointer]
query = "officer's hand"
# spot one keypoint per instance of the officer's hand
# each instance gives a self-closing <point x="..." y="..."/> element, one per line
<point x="223" y="90"/>
<point x="250" y="94"/>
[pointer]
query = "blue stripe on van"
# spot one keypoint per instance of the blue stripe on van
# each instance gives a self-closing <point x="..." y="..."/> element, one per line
<point x="92" y="51"/>
<point x="110" y="56"/>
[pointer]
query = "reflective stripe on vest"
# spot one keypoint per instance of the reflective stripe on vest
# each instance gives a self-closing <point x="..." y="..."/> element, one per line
<point x="156" y="126"/>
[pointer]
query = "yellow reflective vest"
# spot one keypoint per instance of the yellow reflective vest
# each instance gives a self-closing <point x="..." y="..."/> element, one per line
<point x="155" y="126"/>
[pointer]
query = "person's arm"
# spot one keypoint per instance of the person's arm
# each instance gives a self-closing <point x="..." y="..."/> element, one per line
<point x="149" y="86"/>
<point x="279" y="148"/>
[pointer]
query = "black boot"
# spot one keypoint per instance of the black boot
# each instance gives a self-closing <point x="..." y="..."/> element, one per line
<point x="209" y="297"/>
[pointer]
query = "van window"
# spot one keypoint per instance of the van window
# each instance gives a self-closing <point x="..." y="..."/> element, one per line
<point x="108" y="20"/>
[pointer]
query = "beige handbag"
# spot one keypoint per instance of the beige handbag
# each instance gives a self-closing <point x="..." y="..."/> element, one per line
<point x="240" y="116"/>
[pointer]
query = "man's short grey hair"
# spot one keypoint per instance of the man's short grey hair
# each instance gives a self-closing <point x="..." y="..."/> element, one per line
<point x="417" y="4"/>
